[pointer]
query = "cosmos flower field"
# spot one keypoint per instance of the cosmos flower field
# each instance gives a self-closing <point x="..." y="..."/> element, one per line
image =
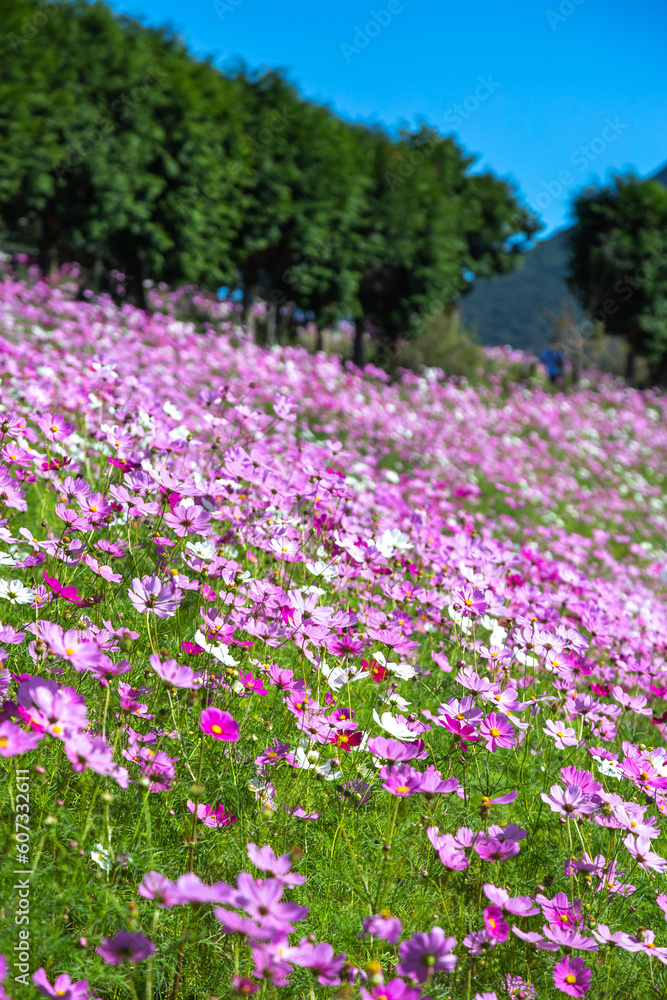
<point x="319" y="685"/>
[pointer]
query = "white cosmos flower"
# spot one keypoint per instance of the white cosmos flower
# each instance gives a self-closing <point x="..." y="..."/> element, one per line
<point x="6" y="559"/>
<point x="217" y="650"/>
<point x="460" y="620"/>
<point x="403" y="670"/>
<point x="338" y="677"/>
<point x="392" y="698"/>
<point x="309" y="760"/>
<point x="390" y="540"/>
<point x="610" y="768"/>
<point x="101" y="857"/>
<point x="203" y="550"/>
<point x="392" y="726"/>
<point x="15" y="592"/>
<point x="320" y="568"/>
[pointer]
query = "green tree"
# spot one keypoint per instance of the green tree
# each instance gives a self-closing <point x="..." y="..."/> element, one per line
<point x="618" y="263"/>
<point x="432" y="228"/>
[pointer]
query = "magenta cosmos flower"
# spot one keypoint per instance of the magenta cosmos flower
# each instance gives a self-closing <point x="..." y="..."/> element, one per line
<point x="495" y="923"/>
<point x="62" y="987"/>
<point x="395" y="989"/>
<point x="402" y="780"/>
<point x="497" y="731"/>
<point x="571" y="976"/>
<point x="125" y="947"/>
<point x="220" y="725"/>
<point x="425" y="954"/>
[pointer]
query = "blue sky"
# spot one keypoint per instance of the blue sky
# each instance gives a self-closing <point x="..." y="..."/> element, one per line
<point x="551" y="94"/>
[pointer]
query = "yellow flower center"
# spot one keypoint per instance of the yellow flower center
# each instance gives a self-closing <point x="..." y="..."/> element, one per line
<point x="272" y="754"/>
<point x="560" y="734"/>
<point x="495" y="732"/>
<point x="56" y="729"/>
<point x="216" y="729"/>
<point x="460" y="716"/>
<point x="3" y="741"/>
<point x="632" y="823"/>
<point x="570" y="979"/>
<point x="69" y="651"/>
<point x="402" y="789"/>
<point x="54" y="427"/>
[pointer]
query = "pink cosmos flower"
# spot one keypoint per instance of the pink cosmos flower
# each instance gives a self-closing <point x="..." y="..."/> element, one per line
<point x="158" y="888"/>
<point x="470" y="601"/>
<point x="563" y="736"/>
<point x="151" y="594"/>
<point x="570" y="801"/>
<point x="498" y="731"/>
<point x="319" y="958"/>
<point x="265" y="859"/>
<point x="423" y="955"/>
<point x="213" y="817"/>
<point x="15" y="741"/>
<point x="220" y="725"/>
<point x="640" y="849"/>
<point x="174" y="675"/>
<point x="54" y="427"/>
<point x="571" y="976"/>
<point x="63" y="987"/>
<point x="188" y="520"/>
<point x="125" y="947"/>
<point x="395" y="989"/>
<point x="263" y="902"/>
<point x="396" y="751"/>
<point x="520" y="906"/>
<point x="401" y="780"/>
<point x="383" y="926"/>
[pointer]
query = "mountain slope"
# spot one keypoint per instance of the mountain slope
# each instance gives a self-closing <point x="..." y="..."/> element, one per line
<point x="519" y="308"/>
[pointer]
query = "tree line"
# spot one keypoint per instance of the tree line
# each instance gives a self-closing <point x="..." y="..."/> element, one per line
<point x="120" y="149"/>
<point x="618" y="266"/>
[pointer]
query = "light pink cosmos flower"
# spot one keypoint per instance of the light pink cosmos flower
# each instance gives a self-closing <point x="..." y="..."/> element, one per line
<point x="54" y="427"/>
<point x="174" y="675"/>
<point x="62" y="987"/>
<point x="188" y="520"/>
<point x="570" y="801"/>
<point x="15" y="741"/>
<point x="151" y="594"/>
<point x="520" y="906"/>
<point x="563" y="736"/>
<point x="279" y="867"/>
<point x="320" y="959"/>
<point x="640" y="849"/>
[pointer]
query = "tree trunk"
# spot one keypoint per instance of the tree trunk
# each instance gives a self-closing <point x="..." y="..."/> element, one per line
<point x="271" y="324"/>
<point x="358" y="351"/>
<point x="248" y="315"/>
<point x="630" y="365"/>
<point x="49" y="243"/>
<point x="135" y="291"/>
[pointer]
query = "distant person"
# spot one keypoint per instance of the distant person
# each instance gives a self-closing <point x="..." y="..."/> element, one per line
<point x="553" y="362"/>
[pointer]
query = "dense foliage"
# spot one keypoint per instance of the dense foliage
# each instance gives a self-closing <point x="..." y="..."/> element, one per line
<point x="618" y="263"/>
<point x="122" y="151"/>
<point x="317" y="684"/>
